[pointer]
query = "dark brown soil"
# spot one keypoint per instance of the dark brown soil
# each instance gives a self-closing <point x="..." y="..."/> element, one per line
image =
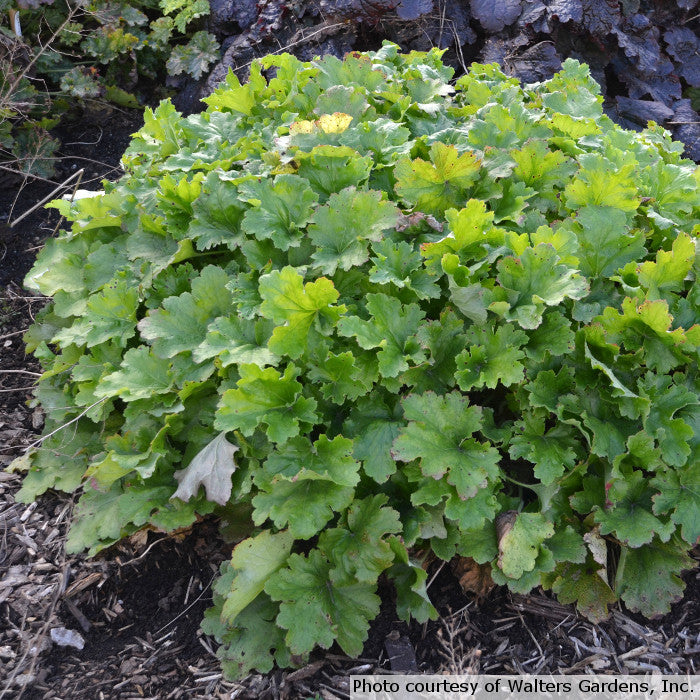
<point x="143" y="622"/>
<point x="138" y="606"/>
<point x="95" y="143"/>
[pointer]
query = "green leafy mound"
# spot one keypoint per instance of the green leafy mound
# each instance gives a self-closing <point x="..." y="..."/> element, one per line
<point x="375" y="315"/>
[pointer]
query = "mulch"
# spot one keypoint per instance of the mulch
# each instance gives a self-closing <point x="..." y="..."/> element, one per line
<point x="135" y="609"/>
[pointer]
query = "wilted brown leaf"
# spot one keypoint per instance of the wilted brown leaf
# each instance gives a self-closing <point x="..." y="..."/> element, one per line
<point x="473" y="578"/>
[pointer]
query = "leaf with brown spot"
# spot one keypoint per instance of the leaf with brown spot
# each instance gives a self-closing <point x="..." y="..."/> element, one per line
<point x="583" y="585"/>
<point x="505" y="522"/>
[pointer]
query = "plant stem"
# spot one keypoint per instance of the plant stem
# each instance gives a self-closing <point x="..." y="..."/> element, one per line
<point x="620" y="569"/>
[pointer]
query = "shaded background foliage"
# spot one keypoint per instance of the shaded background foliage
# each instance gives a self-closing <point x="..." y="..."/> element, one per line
<point x="67" y="59"/>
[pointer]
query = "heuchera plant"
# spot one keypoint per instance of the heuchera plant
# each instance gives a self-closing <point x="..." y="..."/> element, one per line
<point x="363" y="315"/>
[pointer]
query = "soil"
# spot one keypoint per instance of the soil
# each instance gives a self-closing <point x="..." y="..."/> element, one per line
<point x="138" y="606"/>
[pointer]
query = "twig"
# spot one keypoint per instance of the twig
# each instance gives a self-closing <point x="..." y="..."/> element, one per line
<point x="72" y="198"/>
<point x="10" y="335"/>
<point x="23" y="298"/>
<point x="14" y="171"/>
<point x="435" y="575"/>
<point x="65" y="425"/>
<point x="55" y="191"/>
<point x="144" y="553"/>
<point x="303" y="40"/>
<point x="86" y="143"/>
<point x="88" y="160"/>
<point x="196" y="600"/>
<point x="75" y="612"/>
<point x="20" y="371"/>
<point x="527" y="629"/>
<point x="72" y="11"/>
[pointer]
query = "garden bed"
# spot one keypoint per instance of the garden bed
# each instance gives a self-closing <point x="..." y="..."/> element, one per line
<point x="138" y="605"/>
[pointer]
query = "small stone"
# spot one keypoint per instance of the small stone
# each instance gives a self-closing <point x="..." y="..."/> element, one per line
<point x="37" y="418"/>
<point x="67" y="638"/>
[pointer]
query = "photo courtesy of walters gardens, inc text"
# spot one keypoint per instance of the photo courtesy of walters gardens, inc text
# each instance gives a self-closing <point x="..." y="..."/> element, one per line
<point x="573" y="687"/>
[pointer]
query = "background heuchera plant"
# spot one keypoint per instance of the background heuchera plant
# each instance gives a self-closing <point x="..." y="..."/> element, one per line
<point x="365" y="315"/>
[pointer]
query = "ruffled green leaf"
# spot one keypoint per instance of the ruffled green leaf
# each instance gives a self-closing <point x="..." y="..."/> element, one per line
<point x="628" y="512"/>
<point x="280" y="209"/>
<point x="318" y="608"/>
<point x="265" y="397"/>
<point x="520" y="546"/>
<point x="551" y="451"/>
<point x="439" y="435"/>
<point x="606" y="243"/>
<point x="374" y="427"/>
<point x="217" y="214"/>
<point x="343" y="227"/>
<point x="331" y="169"/>
<point x="237" y="341"/>
<point x="491" y="357"/>
<point x="252" y="563"/>
<point x="534" y="281"/>
<point x="440" y="183"/>
<point x="679" y="495"/>
<point x="602" y="183"/>
<point x="392" y="329"/>
<point x="360" y="550"/>
<point x="321" y="475"/>
<point x="181" y="324"/>
<point x="648" y="578"/>
<point x="297" y="308"/>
